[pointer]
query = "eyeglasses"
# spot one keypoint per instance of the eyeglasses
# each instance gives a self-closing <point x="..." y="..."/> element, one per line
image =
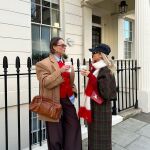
<point x="94" y="53"/>
<point x="62" y="45"/>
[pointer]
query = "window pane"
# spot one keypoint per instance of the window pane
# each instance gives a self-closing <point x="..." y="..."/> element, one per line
<point x="126" y="25"/>
<point x="34" y="114"/>
<point x="44" y="126"/>
<point x="46" y="15"/>
<point x="34" y="140"/>
<point x="45" y="39"/>
<point x="96" y="36"/>
<point x="43" y="134"/>
<point x="96" y="19"/>
<point x="55" y="18"/>
<point x="35" y="43"/>
<point x="130" y="23"/>
<point x="36" y="1"/>
<point x="126" y="35"/>
<point x="127" y="49"/>
<point x="55" y="32"/>
<point x="34" y="124"/>
<point x="46" y="3"/>
<point x="130" y="38"/>
<point x="35" y="13"/>
<point x="55" y="4"/>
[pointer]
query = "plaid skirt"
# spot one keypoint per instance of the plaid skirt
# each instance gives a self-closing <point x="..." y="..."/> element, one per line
<point x="99" y="131"/>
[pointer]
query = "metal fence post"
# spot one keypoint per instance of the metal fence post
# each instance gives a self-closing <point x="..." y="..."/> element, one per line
<point x="78" y="70"/>
<point x="29" y="87"/>
<point x="5" y="66"/>
<point x="18" y="100"/>
<point x="136" y="102"/>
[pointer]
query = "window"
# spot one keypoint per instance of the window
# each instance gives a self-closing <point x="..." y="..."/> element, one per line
<point x="36" y="135"/>
<point x="96" y="19"/>
<point x="96" y="36"/>
<point x="128" y="39"/>
<point x="45" y="18"/>
<point x="96" y="30"/>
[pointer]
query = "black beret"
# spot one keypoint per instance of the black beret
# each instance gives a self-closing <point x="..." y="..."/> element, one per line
<point x="104" y="48"/>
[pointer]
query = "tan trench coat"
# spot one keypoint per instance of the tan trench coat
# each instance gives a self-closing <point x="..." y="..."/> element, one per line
<point x="48" y="72"/>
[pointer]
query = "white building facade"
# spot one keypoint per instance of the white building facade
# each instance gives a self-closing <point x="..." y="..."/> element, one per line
<point x="26" y="27"/>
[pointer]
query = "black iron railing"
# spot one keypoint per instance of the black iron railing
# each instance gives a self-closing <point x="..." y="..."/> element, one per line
<point x="126" y="79"/>
<point x="127" y="74"/>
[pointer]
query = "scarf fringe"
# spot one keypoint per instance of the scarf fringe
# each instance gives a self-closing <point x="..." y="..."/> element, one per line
<point x="85" y="114"/>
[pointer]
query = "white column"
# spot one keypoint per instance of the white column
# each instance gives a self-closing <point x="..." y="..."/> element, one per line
<point x="120" y="38"/>
<point x="142" y="48"/>
<point x="87" y="29"/>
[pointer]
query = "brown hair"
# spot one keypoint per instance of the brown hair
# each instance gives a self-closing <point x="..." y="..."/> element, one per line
<point x="54" y="42"/>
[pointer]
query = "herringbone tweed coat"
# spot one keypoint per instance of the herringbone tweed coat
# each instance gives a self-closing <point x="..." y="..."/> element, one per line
<point x="99" y="131"/>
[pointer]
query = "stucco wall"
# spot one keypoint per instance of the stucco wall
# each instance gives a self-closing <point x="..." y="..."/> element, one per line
<point x="110" y="33"/>
<point x="73" y="27"/>
<point x="13" y="128"/>
<point x="15" y="29"/>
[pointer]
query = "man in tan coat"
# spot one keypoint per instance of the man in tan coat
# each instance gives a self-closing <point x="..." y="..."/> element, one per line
<point x="58" y="84"/>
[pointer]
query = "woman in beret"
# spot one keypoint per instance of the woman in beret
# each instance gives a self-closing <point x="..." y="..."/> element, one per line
<point x="100" y="90"/>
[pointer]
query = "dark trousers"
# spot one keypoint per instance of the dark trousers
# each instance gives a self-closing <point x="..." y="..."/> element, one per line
<point x="66" y="134"/>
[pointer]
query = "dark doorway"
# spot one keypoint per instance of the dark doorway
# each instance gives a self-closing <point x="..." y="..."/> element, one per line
<point x="96" y="36"/>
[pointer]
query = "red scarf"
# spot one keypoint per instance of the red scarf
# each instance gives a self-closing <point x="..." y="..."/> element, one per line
<point x="91" y="93"/>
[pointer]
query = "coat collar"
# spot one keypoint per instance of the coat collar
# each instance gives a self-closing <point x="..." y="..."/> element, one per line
<point x="52" y="58"/>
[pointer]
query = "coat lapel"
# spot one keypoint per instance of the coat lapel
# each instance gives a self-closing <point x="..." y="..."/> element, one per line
<point x="54" y="62"/>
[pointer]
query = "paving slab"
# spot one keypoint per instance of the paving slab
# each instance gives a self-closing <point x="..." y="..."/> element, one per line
<point x="132" y="124"/>
<point x="141" y="143"/>
<point x="145" y="131"/>
<point x="117" y="147"/>
<point x="122" y="136"/>
<point x="145" y="117"/>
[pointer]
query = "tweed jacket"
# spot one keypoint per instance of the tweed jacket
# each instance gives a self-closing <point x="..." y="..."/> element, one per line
<point x="99" y="130"/>
<point x="49" y="76"/>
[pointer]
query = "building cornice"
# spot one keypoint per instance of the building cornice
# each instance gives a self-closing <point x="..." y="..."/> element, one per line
<point x="86" y="3"/>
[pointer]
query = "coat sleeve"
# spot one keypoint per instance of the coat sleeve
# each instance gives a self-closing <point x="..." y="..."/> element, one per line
<point x="50" y="80"/>
<point x="107" y="86"/>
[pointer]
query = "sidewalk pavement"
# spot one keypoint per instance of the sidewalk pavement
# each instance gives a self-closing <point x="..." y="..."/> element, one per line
<point x="131" y="134"/>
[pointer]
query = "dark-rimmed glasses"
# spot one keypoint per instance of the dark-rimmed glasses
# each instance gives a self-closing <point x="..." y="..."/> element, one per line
<point x="62" y="45"/>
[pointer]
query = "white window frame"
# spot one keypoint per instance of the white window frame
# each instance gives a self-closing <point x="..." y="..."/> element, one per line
<point x="51" y="27"/>
<point x="128" y="54"/>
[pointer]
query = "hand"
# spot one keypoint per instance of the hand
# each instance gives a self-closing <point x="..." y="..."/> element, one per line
<point x="85" y="72"/>
<point x="65" y="68"/>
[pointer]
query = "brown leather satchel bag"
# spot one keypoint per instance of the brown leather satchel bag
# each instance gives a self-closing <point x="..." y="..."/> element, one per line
<point x="45" y="106"/>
